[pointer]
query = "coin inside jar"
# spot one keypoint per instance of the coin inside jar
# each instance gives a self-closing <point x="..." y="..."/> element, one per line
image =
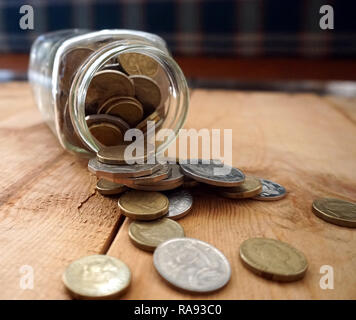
<point x="147" y="235"/>
<point x="137" y="63"/>
<point x="108" y="83"/>
<point x="70" y="63"/>
<point x="273" y="259"/>
<point x="143" y="205"/>
<point x="97" y="277"/>
<point x="106" y="134"/>
<point x="105" y="118"/>
<point x="147" y="91"/>
<point x="129" y="111"/>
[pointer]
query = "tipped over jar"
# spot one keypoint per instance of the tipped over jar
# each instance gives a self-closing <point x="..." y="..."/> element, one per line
<point x="91" y="87"/>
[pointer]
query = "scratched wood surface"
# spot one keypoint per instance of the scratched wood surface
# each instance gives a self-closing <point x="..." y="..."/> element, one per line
<point x="51" y="215"/>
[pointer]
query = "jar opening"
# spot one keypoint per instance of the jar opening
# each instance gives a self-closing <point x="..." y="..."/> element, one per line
<point x="160" y="68"/>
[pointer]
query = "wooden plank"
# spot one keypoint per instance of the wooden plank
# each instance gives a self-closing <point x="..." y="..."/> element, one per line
<point x="49" y="211"/>
<point x="298" y="140"/>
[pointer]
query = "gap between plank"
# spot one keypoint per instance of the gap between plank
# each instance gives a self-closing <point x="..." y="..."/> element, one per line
<point x="111" y="238"/>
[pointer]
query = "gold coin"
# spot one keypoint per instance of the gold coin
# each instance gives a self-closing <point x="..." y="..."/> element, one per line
<point x="106" y="134"/>
<point x="156" y="187"/>
<point x="147" y="235"/>
<point x="248" y="189"/>
<point x="106" y="118"/>
<point x="142" y="205"/>
<point x="152" y="117"/>
<point x="97" y="277"/>
<point x="137" y="63"/>
<point x="336" y="211"/>
<point x="106" y="187"/>
<point x="113" y="100"/>
<point x="129" y="111"/>
<point x="69" y="65"/>
<point x="273" y="259"/>
<point x="147" y="91"/>
<point x="105" y="84"/>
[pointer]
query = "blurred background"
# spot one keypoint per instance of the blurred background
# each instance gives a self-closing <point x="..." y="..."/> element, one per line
<point x="243" y="44"/>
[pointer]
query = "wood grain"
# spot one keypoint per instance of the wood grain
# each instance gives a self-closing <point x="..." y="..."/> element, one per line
<point x="298" y="140"/>
<point x="49" y="211"/>
<point x="50" y="214"/>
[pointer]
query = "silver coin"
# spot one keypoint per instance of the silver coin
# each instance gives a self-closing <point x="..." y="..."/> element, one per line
<point x="111" y="172"/>
<point x="209" y="173"/>
<point x="180" y="203"/>
<point x="192" y="265"/>
<point x="271" y="191"/>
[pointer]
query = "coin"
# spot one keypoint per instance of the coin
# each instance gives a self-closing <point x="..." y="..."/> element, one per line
<point x="207" y="173"/>
<point x="273" y="259"/>
<point x="106" y="134"/>
<point x="97" y="277"/>
<point x="152" y="117"/>
<point x="180" y="203"/>
<point x="156" y="186"/>
<point x="192" y="265"/>
<point x="116" y="154"/>
<point x="157" y="176"/>
<point x="106" y="84"/>
<point x="70" y="63"/>
<point x="113" y="100"/>
<point x="174" y="181"/>
<point x="137" y="63"/>
<point x="271" y="191"/>
<point x="142" y="205"/>
<point x="147" y="235"/>
<point x="147" y="91"/>
<point x="250" y="188"/>
<point x="106" y="187"/>
<point x="336" y="211"/>
<point x="130" y="111"/>
<point x="100" y="118"/>
<point x="115" y="172"/>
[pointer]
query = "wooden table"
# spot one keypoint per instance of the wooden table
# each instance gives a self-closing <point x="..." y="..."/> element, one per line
<point x="51" y="215"/>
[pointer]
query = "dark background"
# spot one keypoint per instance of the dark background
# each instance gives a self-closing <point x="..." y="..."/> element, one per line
<point x="217" y="42"/>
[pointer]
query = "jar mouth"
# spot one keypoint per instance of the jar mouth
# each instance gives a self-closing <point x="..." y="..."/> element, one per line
<point x="178" y="98"/>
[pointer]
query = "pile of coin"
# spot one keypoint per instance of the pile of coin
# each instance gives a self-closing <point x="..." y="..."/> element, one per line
<point x="187" y="263"/>
<point x="123" y="95"/>
<point x="126" y="94"/>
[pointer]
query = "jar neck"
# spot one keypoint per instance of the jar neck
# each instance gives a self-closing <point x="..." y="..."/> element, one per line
<point x="84" y="75"/>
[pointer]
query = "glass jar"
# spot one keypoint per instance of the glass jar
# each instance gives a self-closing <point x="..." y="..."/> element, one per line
<point x="60" y="80"/>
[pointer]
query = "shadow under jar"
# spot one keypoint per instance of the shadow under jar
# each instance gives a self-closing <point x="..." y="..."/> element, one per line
<point x="91" y="87"/>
